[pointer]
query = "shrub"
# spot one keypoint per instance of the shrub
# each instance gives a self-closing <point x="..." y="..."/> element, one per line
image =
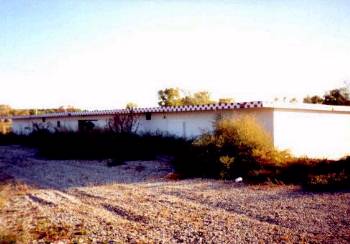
<point x="328" y="175"/>
<point x="197" y="161"/>
<point x="328" y="182"/>
<point x="10" y="138"/>
<point x="312" y="174"/>
<point x="235" y="148"/>
<point x="96" y="144"/>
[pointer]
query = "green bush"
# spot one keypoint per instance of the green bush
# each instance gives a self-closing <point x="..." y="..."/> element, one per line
<point x="235" y="148"/>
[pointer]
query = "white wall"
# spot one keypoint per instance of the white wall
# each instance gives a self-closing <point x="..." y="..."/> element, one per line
<point x="21" y="127"/>
<point x="183" y="124"/>
<point x="192" y="124"/>
<point x="319" y="134"/>
<point x="25" y="126"/>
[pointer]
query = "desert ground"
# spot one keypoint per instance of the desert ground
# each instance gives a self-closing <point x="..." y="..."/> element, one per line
<point x="137" y="202"/>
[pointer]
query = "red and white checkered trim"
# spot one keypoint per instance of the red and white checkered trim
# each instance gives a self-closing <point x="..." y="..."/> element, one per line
<point x="187" y="108"/>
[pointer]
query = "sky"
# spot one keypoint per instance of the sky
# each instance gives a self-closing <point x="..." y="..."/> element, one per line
<point x="104" y="54"/>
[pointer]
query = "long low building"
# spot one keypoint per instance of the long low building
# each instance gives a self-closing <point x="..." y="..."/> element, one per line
<point x="312" y="130"/>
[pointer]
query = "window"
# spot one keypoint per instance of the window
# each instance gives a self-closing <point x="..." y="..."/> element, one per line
<point x="148" y="116"/>
<point x="58" y="124"/>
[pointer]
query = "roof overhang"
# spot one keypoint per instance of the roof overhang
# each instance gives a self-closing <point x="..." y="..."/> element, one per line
<point x="194" y="108"/>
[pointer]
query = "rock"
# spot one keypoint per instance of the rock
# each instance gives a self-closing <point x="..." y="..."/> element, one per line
<point x="239" y="179"/>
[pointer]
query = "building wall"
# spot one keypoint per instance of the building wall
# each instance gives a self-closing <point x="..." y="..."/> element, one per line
<point x="319" y="134"/>
<point x="25" y="126"/>
<point x="192" y="124"/>
<point x="314" y="133"/>
<point x="183" y="124"/>
<point x="21" y="127"/>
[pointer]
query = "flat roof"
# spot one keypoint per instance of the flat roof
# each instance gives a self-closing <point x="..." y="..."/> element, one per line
<point x="306" y="106"/>
<point x="194" y="108"/>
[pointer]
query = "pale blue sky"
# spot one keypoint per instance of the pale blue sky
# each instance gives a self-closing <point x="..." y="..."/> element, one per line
<point x="103" y="54"/>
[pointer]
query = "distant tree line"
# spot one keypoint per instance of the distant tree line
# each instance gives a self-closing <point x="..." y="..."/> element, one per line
<point x="7" y="110"/>
<point x="339" y="96"/>
<point x="177" y="97"/>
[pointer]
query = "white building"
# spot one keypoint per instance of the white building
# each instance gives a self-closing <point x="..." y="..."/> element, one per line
<point x="311" y="130"/>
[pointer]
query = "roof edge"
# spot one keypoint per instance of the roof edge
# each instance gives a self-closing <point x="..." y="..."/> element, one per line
<point x="170" y="109"/>
<point x="194" y="108"/>
<point x="307" y="106"/>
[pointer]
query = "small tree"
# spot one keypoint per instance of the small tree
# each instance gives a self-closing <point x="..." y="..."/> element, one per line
<point x="124" y="123"/>
<point x="226" y="100"/>
<point x="5" y="110"/>
<point x="339" y="96"/>
<point x="169" y="97"/>
<point x="177" y="97"/>
<point x="314" y="99"/>
<point x="131" y="105"/>
<point x="198" y="98"/>
<point x="293" y="100"/>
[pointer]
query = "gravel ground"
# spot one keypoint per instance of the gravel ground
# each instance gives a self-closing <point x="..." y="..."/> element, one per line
<point x="135" y="203"/>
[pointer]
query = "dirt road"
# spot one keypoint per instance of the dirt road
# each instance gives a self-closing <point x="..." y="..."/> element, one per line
<point x="135" y="203"/>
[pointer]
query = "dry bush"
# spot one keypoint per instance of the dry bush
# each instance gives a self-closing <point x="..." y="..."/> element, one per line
<point x="249" y="140"/>
<point x="124" y="123"/>
<point x="235" y="148"/>
<point x="327" y="175"/>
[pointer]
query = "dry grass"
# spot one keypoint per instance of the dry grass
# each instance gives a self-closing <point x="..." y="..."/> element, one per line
<point x="144" y="202"/>
<point x="21" y="222"/>
<point x="10" y="189"/>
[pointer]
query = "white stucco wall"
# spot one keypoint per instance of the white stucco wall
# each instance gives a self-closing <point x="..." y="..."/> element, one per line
<point x="20" y="127"/>
<point x="192" y="124"/>
<point x="182" y="124"/>
<point x="319" y="134"/>
<point x="25" y="126"/>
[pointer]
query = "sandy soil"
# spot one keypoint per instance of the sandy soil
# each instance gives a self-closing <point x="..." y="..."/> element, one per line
<point x="135" y="203"/>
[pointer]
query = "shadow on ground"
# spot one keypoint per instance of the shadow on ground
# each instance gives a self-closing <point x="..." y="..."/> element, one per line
<point x="24" y="165"/>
